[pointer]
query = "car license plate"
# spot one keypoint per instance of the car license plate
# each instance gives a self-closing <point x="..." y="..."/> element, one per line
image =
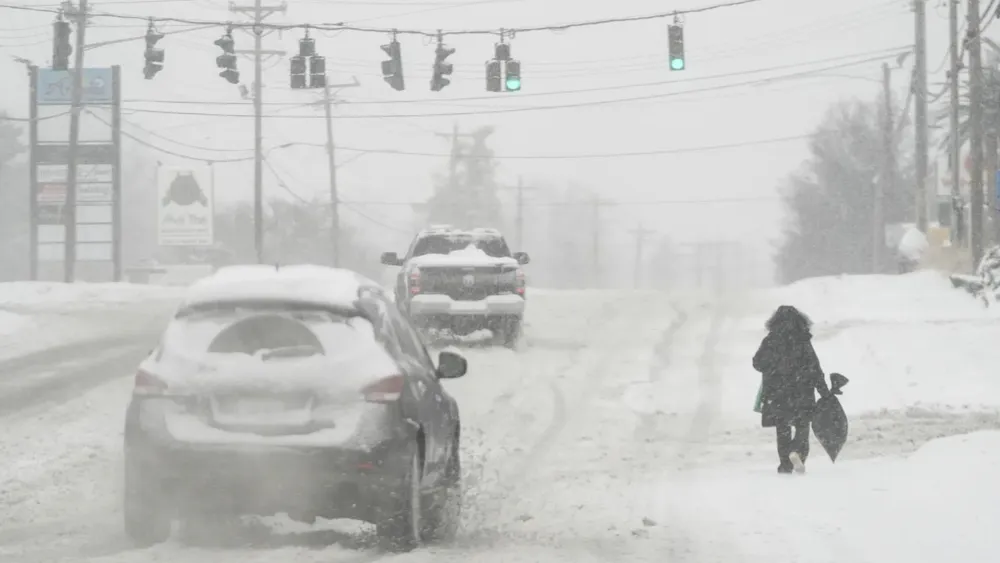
<point x="259" y="406"/>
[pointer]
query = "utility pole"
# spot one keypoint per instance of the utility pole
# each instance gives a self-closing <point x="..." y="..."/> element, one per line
<point x="332" y="164"/>
<point x="640" y="238"/>
<point x="920" y="110"/>
<point x="888" y="178"/>
<point x="975" y="131"/>
<point x="955" y="145"/>
<point x="69" y="251"/>
<point x="596" y="242"/>
<point x="259" y="13"/>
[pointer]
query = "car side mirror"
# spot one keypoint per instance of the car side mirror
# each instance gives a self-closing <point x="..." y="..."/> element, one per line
<point x="391" y="259"/>
<point x="522" y="258"/>
<point x="451" y="364"/>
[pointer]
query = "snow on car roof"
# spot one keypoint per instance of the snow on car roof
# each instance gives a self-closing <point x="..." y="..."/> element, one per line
<point x="302" y="284"/>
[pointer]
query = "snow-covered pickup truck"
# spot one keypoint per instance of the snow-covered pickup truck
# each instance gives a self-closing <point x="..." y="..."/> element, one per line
<point x="462" y="281"/>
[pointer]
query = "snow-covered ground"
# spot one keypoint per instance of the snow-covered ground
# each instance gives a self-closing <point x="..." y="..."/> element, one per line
<point x="37" y="316"/>
<point x="622" y="430"/>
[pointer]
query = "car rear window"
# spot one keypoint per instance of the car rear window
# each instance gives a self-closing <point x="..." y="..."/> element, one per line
<point x="268" y="332"/>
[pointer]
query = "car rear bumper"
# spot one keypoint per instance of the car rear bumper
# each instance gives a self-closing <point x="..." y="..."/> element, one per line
<point x="327" y="482"/>
<point x="492" y="305"/>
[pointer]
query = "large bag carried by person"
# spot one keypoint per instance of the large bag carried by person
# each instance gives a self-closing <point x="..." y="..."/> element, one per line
<point x="829" y="422"/>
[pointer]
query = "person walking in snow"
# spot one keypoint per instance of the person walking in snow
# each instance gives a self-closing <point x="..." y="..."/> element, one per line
<point x="791" y="374"/>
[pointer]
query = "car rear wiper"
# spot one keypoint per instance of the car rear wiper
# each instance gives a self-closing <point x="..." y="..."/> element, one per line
<point x="302" y="351"/>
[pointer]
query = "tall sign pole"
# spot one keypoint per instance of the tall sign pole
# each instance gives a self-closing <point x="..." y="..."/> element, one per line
<point x="33" y="175"/>
<point x="69" y="266"/>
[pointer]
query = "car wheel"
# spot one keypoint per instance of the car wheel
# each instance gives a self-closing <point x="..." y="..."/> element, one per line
<point x="147" y="518"/>
<point x="444" y="514"/>
<point x="511" y="331"/>
<point x="402" y="530"/>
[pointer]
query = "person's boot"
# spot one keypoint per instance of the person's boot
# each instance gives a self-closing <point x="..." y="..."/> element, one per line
<point x="797" y="463"/>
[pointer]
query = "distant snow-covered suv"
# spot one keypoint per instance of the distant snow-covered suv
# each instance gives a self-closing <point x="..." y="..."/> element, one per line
<point x="462" y="281"/>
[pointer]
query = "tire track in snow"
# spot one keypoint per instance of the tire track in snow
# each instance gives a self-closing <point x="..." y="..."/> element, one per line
<point x="615" y="337"/>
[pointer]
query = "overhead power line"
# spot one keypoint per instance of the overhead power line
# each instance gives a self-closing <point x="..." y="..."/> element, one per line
<point x="507" y="31"/>
<point x="591" y="156"/>
<point x="603" y="203"/>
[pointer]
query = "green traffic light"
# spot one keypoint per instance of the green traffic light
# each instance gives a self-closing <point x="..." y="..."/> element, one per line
<point x="677" y="64"/>
<point x="513" y="83"/>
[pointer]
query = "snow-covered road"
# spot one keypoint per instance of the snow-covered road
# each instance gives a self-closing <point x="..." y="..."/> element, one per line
<point x="619" y="431"/>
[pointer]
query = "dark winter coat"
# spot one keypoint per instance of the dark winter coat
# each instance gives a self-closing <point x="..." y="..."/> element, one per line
<point x="790" y="369"/>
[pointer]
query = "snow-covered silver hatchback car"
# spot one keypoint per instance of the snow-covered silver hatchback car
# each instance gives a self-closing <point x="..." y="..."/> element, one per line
<point x="298" y="389"/>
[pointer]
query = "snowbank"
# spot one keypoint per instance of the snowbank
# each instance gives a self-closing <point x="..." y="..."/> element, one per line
<point x="52" y="295"/>
<point x="941" y="503"/>
<point x="920" y="296"/>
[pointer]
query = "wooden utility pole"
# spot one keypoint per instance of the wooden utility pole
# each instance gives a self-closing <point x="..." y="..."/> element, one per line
<point x="955" y="145"/>
<point x="888" y="176"/>
<point x="69" y="250"/>
<point x="975" y="131"/>
<point x="640" y="239"/>
<point x="920" y="110"/>
<point x="259" y="12"/>
<point x="332" y="165"/>
<point x="595" y="256"/>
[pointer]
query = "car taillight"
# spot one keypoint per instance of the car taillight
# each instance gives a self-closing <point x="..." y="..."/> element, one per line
<point x="519" y="276"/>
<point x="148" y="384"/>
<point x="387" y="390"/>
<point x="415" y="281"/>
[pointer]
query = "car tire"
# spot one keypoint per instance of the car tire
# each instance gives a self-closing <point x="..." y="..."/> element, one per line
<point x="403" y="528"/>
<point x="146" y="516"/>
<point x="510" y="333"/>
<point x="444" y="514"/>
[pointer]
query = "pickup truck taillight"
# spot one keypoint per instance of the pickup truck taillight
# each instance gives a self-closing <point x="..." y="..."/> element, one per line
<point x="519" y="277"/>
<point x="415" y="281"/>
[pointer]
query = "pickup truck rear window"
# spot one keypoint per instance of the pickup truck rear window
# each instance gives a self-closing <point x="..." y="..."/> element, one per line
<point x="494" y="247"/>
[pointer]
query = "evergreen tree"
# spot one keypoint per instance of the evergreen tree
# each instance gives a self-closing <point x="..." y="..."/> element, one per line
<point x="467" y="196"/>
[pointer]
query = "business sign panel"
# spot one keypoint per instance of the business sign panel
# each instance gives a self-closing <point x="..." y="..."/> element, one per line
<point x="55" y="87"/>
<point x="185" y="207"/>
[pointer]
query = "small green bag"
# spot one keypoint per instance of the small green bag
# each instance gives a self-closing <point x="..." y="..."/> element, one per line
<point x="758" y="405"/>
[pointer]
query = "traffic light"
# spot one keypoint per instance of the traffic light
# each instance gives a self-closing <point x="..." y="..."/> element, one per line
<point x="298" y="72"/>
<point x="227" y="60"/>
<point x="317" y="72"/>
<point x="154" y="57"/>
<point x="676" y="39"/>
<point x="441" y="68"/>
<point x="494" y="80"/>
<point x="512" y="82"/>
<point x="392" y="69"/>
<point x="61" y="47"/>
<point x="501" y="52"/>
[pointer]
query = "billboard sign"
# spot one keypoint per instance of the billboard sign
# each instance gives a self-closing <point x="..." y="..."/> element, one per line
<point x="95" y="183"/>
<point x="55" y="87"/>
<point x="185" y="207"/>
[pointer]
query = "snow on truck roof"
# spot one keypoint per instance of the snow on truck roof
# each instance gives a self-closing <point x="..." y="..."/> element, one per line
<point x="449" y="230"/>
<point x="301" y="284"/>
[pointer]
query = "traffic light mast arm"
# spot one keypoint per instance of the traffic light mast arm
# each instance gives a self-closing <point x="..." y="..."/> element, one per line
<point x="143" y="37"/>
